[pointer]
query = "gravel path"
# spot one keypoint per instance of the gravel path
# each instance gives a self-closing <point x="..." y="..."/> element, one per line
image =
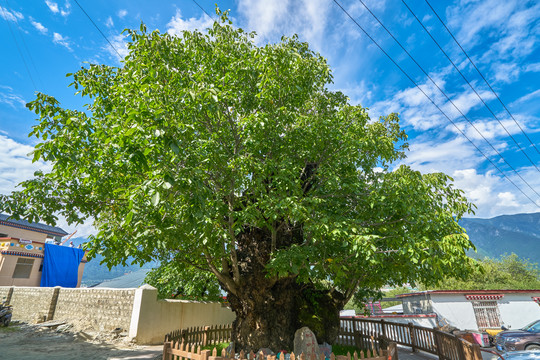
<point x="31" y="342"/>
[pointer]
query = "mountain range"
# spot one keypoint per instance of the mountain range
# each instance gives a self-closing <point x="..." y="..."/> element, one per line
<point x="505" y="234"/>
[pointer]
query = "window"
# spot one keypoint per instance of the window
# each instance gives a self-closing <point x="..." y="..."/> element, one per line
<point x="487" y="314"/>
<point x="2" y="235"/>
<point x="23" y="268"/>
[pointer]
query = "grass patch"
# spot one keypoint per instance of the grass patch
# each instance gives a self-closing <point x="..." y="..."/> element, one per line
<point x="344" y="349"/>
<point x="9" y="329"/>
<point x="336" y="349"/>
<point x="219" y="347"/>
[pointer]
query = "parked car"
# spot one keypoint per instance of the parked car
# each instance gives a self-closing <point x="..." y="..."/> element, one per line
<point x="522" y="355"/>
<point x="527" y="338"/>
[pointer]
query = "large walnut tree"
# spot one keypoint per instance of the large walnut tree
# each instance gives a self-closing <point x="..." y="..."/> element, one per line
<point x="234" y="160"/>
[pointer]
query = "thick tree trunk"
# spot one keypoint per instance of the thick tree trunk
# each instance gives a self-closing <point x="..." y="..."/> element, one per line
<point x="268" y="318"/>
<point x="269" y="311"/>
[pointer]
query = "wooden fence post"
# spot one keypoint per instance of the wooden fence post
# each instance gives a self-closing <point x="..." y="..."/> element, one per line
<point x="356" y="338"/>
<point x="205" y="336"/>
<point x="392" y="351"/>
<point x="463" y="352"/>
<point x="383" y="342"/>
<point x="412" y="337"/>
<point x="205" y="354"/>
<point x="166" y="347"/>
<point x="438" y="344"/>
<point x="477" y="353"/>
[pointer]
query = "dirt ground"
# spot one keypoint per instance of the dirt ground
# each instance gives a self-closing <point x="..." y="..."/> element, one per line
<point x="33" y="342"/>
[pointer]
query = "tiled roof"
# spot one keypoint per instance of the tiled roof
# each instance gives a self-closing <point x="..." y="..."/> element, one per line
<point x="47" y="229"/>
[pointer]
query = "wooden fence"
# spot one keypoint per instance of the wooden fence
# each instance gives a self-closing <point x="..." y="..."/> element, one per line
<point x="202" y="336"/>
<point x="358" y="331"/>
<point x="176" y="350"/>
<point x="375" y="335"/>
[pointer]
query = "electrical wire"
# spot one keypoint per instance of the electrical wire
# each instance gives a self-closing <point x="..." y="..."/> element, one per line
<point x="26" y="47"/>
<point x="200" y="7"/>
<point x="472" y="88"/>
<point x="98" y="29"/>
<point x="434" y="104"/>
<point x="18" y="48"/>
<point x="482" y="76"/>
<point x="449" y="100"/>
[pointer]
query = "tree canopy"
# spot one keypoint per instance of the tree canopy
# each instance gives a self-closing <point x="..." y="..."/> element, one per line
<point x="236" y="160"/>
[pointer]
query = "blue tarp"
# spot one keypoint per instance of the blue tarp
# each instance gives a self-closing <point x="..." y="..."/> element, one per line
<point x="61" y="266"/>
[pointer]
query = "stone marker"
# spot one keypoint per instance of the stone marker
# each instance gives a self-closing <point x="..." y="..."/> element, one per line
<point x="306" y="342"/>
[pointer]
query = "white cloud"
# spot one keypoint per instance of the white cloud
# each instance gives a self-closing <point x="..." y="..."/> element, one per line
<point x="177" y="24"/>
<point x="10" y="15"/>
<point x="535" y="67"/>
<point x="66" y="10"/>
<point x="510" y="27"/>
<point x="506" y="73"/>
<point x="529" y="96"/>
<point x="507" y="199"/>
<point x="122" y="13"/>
<point x="39" y="27"/>
<point x="489" y="128"/>
<point x="52" y="6"/>
<point x="109" y="23"/>
<point x="16" y="165"/>
<point x="61" y="40"/>
<point x="440" y="155"/>
<point x="494" y="195"/>
<point x="7" y="96"/>
<point x="120" y="44"/>
<point x="272" y="19"/>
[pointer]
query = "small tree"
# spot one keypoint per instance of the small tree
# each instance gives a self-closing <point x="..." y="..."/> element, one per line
<point x="236" y="160"/>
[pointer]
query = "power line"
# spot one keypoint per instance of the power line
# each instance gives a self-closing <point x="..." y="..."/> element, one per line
<point x="25" y="46"/>
<point x="472" y="88"/>
<point x="18" y="48"/>
<point x="98" y="29"/>
<point x="431" y="100"/>
<point x="200" y="7"/>
<point x="482" y="76"/>
<point x="448" y="98"/>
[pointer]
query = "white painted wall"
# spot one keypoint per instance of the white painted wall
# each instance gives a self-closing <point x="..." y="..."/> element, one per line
<point x="455" y="309"/>
<point x="151" y="318"/>
<point x="516" y="309"/>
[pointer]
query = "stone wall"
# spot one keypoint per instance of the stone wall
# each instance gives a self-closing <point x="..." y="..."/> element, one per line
<point x="4" y="291"/>
<point x="32" y="304"/>
<point x="136" y="311"/>
<point x="97" y="309"/>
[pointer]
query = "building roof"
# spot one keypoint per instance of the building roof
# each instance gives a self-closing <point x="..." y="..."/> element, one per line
<point x="468" y="292"/>
<point x="39" y="227"/>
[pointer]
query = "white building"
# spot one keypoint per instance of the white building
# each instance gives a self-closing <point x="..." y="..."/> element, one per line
<point x="476" y="309"/>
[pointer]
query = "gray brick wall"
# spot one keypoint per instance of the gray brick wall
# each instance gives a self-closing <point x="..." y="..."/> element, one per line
<point x="101" y="309"/>
<point x="87" y="309"/>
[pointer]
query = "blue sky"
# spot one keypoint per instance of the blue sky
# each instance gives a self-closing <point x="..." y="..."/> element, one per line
<point x="41" y="41"/>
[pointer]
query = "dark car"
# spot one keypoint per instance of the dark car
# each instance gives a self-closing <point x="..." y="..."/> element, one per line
<point x="527" y="338"/>
<point x="522" y="355"/>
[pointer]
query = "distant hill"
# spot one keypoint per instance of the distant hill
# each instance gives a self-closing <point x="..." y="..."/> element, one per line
<point x="519" y="233"/>
<point x="95" y="272"/>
